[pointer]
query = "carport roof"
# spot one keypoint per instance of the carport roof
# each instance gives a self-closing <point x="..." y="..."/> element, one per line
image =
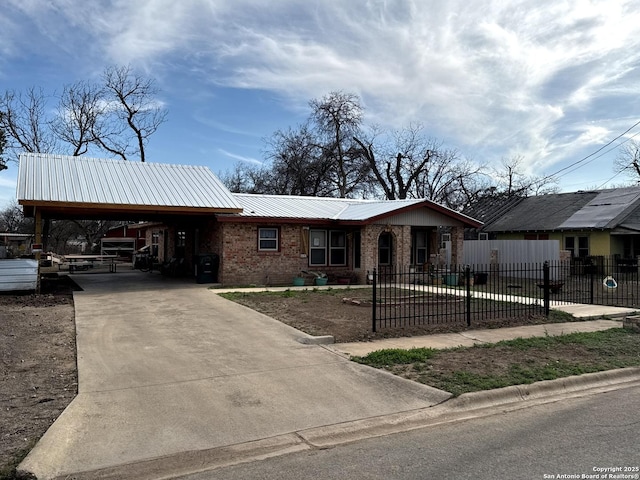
<point x="62" y="186"/>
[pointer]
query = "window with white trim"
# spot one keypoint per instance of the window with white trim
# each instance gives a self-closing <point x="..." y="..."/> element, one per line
<point x="268" y="239"/>
<point x="578" y="246"/>
<point x="327" y="247"/>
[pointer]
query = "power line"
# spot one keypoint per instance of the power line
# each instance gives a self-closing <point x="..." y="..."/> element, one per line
<point x="594" y="153"/>
<point x="603" y="153"/>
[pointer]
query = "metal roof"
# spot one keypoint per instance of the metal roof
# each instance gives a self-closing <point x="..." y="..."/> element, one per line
<point x="289" y="206"/>
<point x="606" y="210"/>
<point x="44" y="178"/>
<point x="322" y="208"/>
<point x="603" y="209"/>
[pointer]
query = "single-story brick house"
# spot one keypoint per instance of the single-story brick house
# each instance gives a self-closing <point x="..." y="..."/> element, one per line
<point x="258" y="239"/>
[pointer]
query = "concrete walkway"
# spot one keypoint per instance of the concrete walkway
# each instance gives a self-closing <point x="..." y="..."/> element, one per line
<point x="470" y="338"/>
<point x="174" y="379"/>
<point x="169" y="371"/>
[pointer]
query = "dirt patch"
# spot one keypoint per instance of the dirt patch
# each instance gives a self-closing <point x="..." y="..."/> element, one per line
<point x="38" y="370"/>
<point x="333" y="312"/>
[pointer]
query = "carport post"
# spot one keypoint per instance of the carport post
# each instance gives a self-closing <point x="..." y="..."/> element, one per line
<point x="38" y="240"/>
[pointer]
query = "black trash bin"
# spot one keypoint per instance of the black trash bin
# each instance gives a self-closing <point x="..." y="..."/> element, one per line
<point x="207" y="265"/>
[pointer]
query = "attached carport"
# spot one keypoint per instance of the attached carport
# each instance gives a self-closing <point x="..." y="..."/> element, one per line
<point x="65" y="187"/>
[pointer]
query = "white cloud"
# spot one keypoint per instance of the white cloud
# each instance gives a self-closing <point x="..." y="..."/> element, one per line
<point x="240" y="157"/>
<point x="519" y="77"/>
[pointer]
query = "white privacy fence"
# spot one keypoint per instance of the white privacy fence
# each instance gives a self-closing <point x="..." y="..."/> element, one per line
<point x="505" y="252"/>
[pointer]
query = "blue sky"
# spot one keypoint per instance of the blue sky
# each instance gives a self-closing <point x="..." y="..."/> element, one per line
<point x="551" y="81"/>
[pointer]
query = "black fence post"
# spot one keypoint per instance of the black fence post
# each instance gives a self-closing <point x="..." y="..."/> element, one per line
<point x="592" y="277"/>
<point x="374" y="301"/>
<point x="467" y="281"/>
<point x="546" y="288"/>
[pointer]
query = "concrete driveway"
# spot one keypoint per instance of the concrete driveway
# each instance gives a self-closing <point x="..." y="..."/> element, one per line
<point x="171" y="375"/>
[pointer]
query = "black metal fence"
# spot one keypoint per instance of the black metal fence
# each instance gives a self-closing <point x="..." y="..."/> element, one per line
<point x="404" y="297"/>
<point x="597" y="280"/>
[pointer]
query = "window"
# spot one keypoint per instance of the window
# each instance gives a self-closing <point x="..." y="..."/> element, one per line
<point x="318" y="247"/>
<point x="583" y="247"/>
<point x="155" y="243"/>
<point x="331" y="252"/>
<point x="268" y="239"/>
<point x="181" y="244"/>
<point x="578" y="246"/>
<point x="181" y="238"/>
<point x="536" y="236"/>
<point x="337" y="248"/>
<point x="385" y="242"/>
<point x="419" y="250"/>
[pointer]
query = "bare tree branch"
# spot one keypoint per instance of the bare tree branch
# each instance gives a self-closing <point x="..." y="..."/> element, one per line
<point x="134" y="104"/>
<point x="80" y="111"/>
<point x="25" y="123"/>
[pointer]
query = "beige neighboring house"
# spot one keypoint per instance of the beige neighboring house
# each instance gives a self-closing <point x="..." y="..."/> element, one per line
<point x="256" y="239"/>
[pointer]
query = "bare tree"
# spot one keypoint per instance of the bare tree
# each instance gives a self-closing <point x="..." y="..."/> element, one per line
<point x="401" y="162"/>
<point x="513" y="181"/>
<point x="59" y="234"/>
<point x="24" y="121"/>
<point x="79" y="117"/>
<point x="336" y="120"/>
<point x="318" y="158"/>
<point x="628" y="160"/>
<point x="117" y="117"/>
<point x="3" y="145"/>
<point x="298" y="165"/>
<point x="135" y="106"/>
<point x="93" y="230"/>
<point x="12" y="220"/>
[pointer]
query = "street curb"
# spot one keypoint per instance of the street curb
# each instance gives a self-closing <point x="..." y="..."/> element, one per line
<point x="464" y="407"/>
<point x="190" y="462"/>
<point x="473" y="405"/>
<point x="545" y="389"/>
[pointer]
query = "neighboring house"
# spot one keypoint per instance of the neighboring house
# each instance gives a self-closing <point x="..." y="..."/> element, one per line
<point x="15" y="244"/>
<point x="587" y="223"/>
<point x="261" y="239"/>
<point x="124" y="240"/>
<point x="487" y="209"/>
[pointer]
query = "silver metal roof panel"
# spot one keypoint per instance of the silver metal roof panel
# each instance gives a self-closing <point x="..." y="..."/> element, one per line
<point x="66" y="179"/>
<point x="322" y="208"/>
<point x="604" y="210"/>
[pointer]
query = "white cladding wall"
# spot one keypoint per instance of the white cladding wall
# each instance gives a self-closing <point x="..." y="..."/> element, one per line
<point x="478" y="252"/>
<point x="18" y="274"/>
